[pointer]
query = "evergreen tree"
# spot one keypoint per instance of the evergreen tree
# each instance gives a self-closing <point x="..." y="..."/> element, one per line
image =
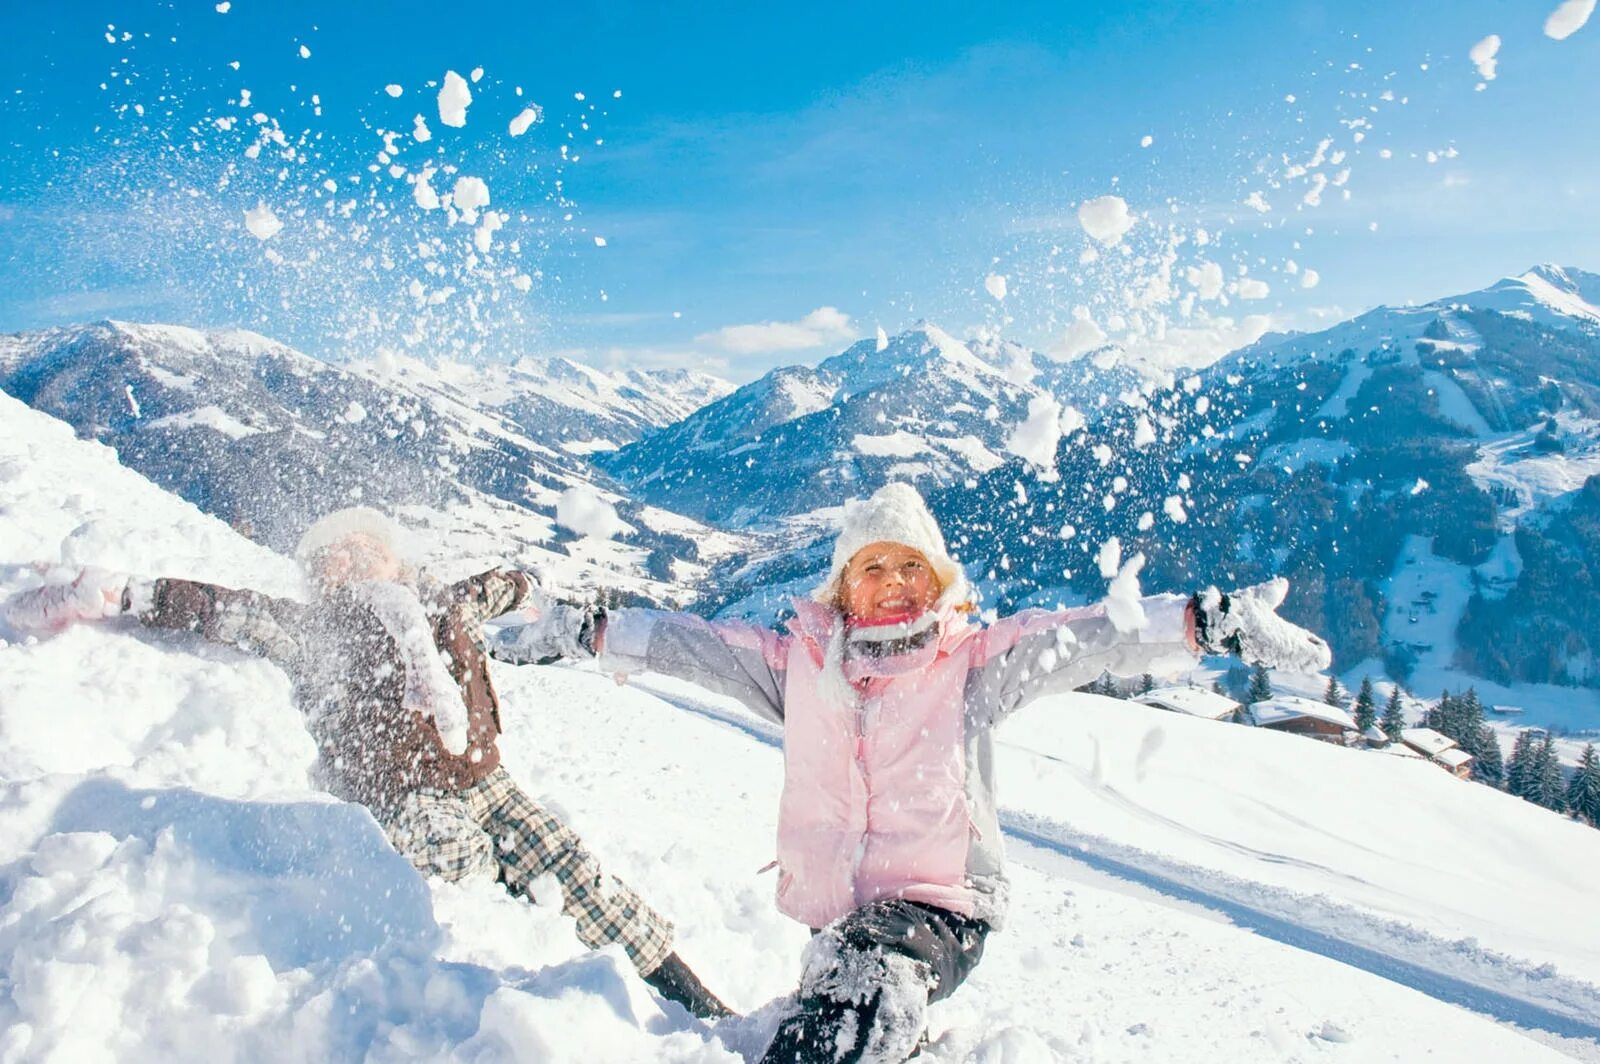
<point x="1216" y="685"/>
<point x="1489" y="767"/>
<point x="1366" y="708"/>
<point x="1550" y="788"/>
<point x="1394" y="717"/>
<point x="1439" y="713"/>
<point x="1334" y="695"/>
<point x="1147" y="683"/>
<point x="1520" y="769"/>
<point x="1260" y="685"/>
<point x="1583" y="791"/>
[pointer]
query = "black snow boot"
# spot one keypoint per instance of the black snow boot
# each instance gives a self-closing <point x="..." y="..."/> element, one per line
<point x="674" y="981"/>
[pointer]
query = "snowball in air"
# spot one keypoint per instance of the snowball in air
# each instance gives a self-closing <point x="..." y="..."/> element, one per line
<point x="262" y="222"/>
<point x="394" y="90"/>
<point x="470" y="195"/>
<point x="529" y="115"/>
<point x="1483" y="56"/>
<point x="1105" y="218"/>
<point x="582" y="511"/>
<point x="1036" y="439"/>
<point x="995" y="285"/>
<point x="1568" y="19"/>
<point x="454" y="99"/>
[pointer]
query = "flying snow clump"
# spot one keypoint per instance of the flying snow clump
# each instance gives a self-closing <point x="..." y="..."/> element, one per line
<point x="1035" y="440"/>
<point x="262" y="222"/>
<point x="1082" y="336"/>
<point x="1483" y="56"/>
<point x="1123" y="608"/>
<point x="586" y="513"/>
<point x="995" y="285"/>
<point x="1568" y="19"/>
<point x="470" y="195"/>
<point x="394" y="90"/>
<point x="529" y="115"/>
<point x="454" y="99"/>
<point x="1105" y="218"/>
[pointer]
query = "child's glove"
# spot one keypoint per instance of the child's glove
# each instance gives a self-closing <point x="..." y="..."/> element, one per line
<point x="92" y="595"/>
<point x="1246" y="624"/>
<point x="562" y="630"/>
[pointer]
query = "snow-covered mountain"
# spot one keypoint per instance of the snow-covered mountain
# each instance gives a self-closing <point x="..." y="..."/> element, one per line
<point x="1425" y="475"/>
<point x="268" y="438"/>
<point x="172" y="885"/>
<point x="559" y="402"/>
<point x="925" y="407"/>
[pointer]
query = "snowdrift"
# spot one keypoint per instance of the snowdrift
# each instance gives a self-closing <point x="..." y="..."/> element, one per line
<point x="171" y="885"/>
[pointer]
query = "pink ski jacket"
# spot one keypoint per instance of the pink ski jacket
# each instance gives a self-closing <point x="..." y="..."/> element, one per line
<point x="888" y="775"/>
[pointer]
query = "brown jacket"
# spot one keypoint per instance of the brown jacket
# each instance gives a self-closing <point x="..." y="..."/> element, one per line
<point x="348" y="680"/>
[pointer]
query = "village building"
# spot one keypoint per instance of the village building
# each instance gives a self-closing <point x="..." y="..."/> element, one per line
<point x="1193" y="701"/>
<point x="1440" y="749"/>
<point x="1305" y="716"/>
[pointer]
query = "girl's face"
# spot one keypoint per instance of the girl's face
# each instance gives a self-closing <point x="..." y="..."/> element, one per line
<point x="886" y="580"/>
<point x="356" y="557"/>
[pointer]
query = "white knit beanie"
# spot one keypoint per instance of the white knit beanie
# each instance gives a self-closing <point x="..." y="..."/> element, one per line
<point x="363" y="520"/>
<point x="895" y="513"/>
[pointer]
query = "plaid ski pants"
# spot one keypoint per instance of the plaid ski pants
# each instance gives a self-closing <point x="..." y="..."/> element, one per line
<point x="494" y="829"/>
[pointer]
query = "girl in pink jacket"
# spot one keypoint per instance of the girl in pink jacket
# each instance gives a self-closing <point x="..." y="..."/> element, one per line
<point x="889" y="843"/>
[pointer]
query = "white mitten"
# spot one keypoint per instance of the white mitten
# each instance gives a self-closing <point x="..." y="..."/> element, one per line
<point x="562" y="630"/>
<point x="92" y="595"/>
<point x="1246" y="624"/>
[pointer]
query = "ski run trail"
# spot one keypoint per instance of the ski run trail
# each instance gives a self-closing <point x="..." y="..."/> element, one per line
<point x="173" y="888"/>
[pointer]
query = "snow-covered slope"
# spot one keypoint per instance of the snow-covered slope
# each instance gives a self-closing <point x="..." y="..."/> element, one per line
<point x="171" y="886"/>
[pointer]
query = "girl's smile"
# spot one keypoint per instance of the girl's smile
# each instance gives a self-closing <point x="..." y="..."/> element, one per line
<point x="884" y="580"/>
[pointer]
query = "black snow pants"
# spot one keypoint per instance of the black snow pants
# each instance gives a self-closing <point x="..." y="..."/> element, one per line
<point x="869" y="977"/>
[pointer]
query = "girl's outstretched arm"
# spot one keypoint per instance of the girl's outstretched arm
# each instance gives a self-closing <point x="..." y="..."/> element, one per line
<point x="744" y="661"/>
<point x="1038" y="652"/>
<point x="246" y="620"/>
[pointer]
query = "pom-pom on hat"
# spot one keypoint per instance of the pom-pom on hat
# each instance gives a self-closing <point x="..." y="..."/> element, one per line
<point x="353" y="520"/>
<point x="895" y="513"/>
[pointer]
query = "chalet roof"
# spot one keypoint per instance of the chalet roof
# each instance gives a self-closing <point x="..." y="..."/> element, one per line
<point x="1427" y="741"/>
<point x="1195" y="701"/>
<point x="1402" y="750"/>
<point x="1453" y="758"/>
<point x="1291" y="707"/>
<point x="1375" y="734"/>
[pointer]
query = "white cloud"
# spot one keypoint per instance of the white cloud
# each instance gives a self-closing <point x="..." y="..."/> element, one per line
<point x="825" y="325"/>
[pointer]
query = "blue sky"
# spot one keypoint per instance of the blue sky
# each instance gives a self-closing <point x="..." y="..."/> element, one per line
<point x="775" y="182"/>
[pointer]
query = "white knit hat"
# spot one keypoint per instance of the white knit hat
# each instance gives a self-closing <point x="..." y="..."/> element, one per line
<point x="353" y="520"/>
<point x="895" y="513"/>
